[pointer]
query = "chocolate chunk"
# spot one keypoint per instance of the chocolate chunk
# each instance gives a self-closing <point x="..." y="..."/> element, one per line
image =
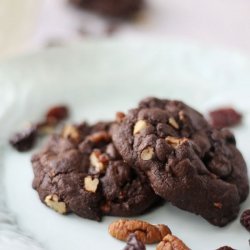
<point x="225" y="117"/>
<point x="24" y="141"/>
<point x="134" y="244"/>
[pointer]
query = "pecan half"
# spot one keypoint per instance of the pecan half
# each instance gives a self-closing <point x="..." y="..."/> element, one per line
<point x="171" y="242"/>
<point x="144" y="231"/>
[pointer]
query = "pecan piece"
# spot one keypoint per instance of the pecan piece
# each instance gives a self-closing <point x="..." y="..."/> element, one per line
<point x="98" y="160"/>
<point x="99" y="137"/>
<point x="147" y="153"/>
<point x="174" y="141"/>
<point x="173" y="123"/>
<point x="140" y="125"/>
<point x="91" y="184"/>
<point x="71" y="132"/>
<point x="171" y="242"/>
<point x="144" y="231"/>
<point x="45" y="128"/>
<point x="218" y="205"/>
<point x="119" y="117"/>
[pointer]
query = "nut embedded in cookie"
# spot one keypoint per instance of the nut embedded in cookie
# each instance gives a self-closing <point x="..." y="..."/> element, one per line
<point x="175" y="142"/>
<point x="53" y="202"/>
<point x="147" y="153"/>
<point x="173" y="122"/>
<point x="91" y="184"/>
<point x="140" y="125"/>
<point x="98" y="161"/>
<point x="71" y="132"/>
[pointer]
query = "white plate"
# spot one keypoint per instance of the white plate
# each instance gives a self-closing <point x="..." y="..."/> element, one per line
<point x="96" y="80"/>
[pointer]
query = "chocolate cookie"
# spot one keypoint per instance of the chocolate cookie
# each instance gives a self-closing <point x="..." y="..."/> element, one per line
<point x="113" y="8"/>
<point x="188" y="163"/>
<point x="80" y="171"/>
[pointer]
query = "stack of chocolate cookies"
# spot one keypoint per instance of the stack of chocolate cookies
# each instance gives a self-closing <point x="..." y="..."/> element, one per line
<point x="111" y="8"/>
<point x="162" y="149"/>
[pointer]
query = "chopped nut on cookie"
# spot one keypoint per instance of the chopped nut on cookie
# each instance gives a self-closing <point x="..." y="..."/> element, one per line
<point x="175" y="142"/>
<point x="91" y="184"/>
<point x="98" y="161"/>
<point x="140" y="125"/>
<point x="147" y="153"/>
<point x="173" y="123"/>
<point x="53" y="202"/>
<point x="119" y="117"/>
<point x="218" y="205"/>
<point x="71" y="132"/>
<point x="99" y="137"/>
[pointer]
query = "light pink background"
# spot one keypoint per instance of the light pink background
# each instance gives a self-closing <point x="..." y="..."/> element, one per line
<point x="220" y="23"/>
